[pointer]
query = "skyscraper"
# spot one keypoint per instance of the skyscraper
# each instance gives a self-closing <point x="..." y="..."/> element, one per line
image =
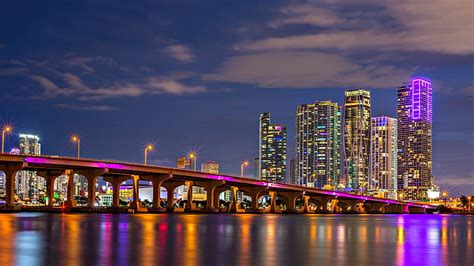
<point x="318" y="144"/>
<point x="210" y="167"/>
<point x="27" y="182"/>
<point x="357" y="138"/>
<point x="272" y="150"/>
<point x="383" y="156"/>
<point x="414" y="115"/>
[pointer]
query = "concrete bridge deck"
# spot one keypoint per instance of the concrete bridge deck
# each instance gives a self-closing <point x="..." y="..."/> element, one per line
<point x="309" y="199"/>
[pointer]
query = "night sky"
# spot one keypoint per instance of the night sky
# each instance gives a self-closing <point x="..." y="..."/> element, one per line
<point x="196" y="74"/>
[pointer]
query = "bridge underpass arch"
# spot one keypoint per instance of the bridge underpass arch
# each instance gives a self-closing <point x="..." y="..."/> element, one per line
<point x="30" y="189"/>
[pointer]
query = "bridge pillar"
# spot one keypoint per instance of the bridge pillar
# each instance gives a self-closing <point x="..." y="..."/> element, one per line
<point x="50" y="177"/>
<point x="374" y="207"/>
<point x="116" y="181"/>
<point x="157" y="181"/>
<point x="70" y="189"/>
<point x="324" y="200"/>
<point x="306" y="204"/>
<point x="217" y="193"/>
<point x="189" y="204"/>
<point x="348" y="205"/>
<point x="210" y="187"/>
<point x="254" y="193"/>
<point x="235" y="205"/>
<point x="10" y="171"/>
<point x="291" y="199"/>
<point x="136" y="194"/>
<point x="273" y="195"/>
<point x="170" y="187"/>
<point x="92" y="175"/>
<point x="417" y="210"/>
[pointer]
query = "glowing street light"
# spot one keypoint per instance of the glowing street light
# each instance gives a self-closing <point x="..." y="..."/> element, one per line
<point x="246" y="163"/>
<point x="148" y="148"/>
<point x="193" y="157"/>
<point x="7" y="129"/>
<point x="76" y="139"/>
<point x="445" y="196"/>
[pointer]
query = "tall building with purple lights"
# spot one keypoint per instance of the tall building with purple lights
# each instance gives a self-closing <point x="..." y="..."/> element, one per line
<point x="272" y="150"/>
<point x="415" y="144"/>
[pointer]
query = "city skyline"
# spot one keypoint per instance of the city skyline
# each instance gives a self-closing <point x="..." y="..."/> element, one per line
<point x="199" y="82"/>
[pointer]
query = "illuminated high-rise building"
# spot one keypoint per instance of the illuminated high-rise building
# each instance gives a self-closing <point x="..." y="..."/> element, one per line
<point x="414" y="115"/>
<point x="357" y="112"/>
<point x="210" y="167"/>
<point x="318" y="144"/>
<point x="272" y="150"/>
<point x="27" y="183"/>
<point x="383" y="156"/>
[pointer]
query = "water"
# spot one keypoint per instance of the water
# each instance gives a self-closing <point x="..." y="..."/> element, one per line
<point x="227" y="239"/>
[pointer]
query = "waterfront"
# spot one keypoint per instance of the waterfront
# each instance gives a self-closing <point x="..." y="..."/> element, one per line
<point x="228" y="239"/>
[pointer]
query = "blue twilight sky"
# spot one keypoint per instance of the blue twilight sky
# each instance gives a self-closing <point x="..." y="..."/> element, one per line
<point x="196" y="74"/>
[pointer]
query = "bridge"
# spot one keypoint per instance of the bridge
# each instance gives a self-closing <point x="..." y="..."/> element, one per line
<point x="284" y="198"/>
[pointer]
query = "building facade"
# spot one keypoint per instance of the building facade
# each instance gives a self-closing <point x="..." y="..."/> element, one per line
<point x="27" y="183"/>
<point x="272" y="150"/>
<point x="414" y="115"/>
<point x="318" y="144"/>
<point x="383" y="156"/>
<point x="210" y="167"/>
<point x="357" y="113"/>
<point x="183" y="163"/>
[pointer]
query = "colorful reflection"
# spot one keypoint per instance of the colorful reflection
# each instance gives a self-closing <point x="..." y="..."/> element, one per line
<point x="230" y="239"/>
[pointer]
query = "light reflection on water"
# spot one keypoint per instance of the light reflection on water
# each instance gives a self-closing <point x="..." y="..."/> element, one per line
<point x="148" y="239"/>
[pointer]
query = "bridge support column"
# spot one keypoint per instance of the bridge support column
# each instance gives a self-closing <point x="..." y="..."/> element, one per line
<point x="416" y="210"/>
<point x="210" y="187"/>
<point x="50" y="177"/>
<point x="254" y="193"/>
<point x="157" y="181"/>
<point x="273" y="195"/>
<point x="235" y="204"/>
<point x="324" y="200"/>
<point x="10" y="171"/>
<point x="217" y="194"/>
<point x="70" y="189"/>
<point x="116" y="181"/>
<point x="374" y="207"/>
<point x="136" y="193"/>
<point x="348" y="205"/>
<point x="306" y="204"/>
<point x="189" y="204"/>
<point x="92" y="175"/>
<point x="291" y="200"/>
<point x="170" y="187"/>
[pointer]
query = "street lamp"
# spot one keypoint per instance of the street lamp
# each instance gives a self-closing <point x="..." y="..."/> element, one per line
<point x="445" y="196"/>
<point x="193" y="157"/>
<point x="7" y="129"/>
<point x="76" y="139"/>
<point x="242" y="168"/>
<point x="148" y="148"/>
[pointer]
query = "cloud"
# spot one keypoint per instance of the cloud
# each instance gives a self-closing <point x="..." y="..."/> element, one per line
<point x="86" y="107"/>
<point x="164" y="85"/>
<point x="14" y="71"/>
<point x="306" y="14"/>
<point x="179" y="52"/>
<point x="75" y="86"/>
<point x="419" y="26"/>
<point x="306" y="69"/>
